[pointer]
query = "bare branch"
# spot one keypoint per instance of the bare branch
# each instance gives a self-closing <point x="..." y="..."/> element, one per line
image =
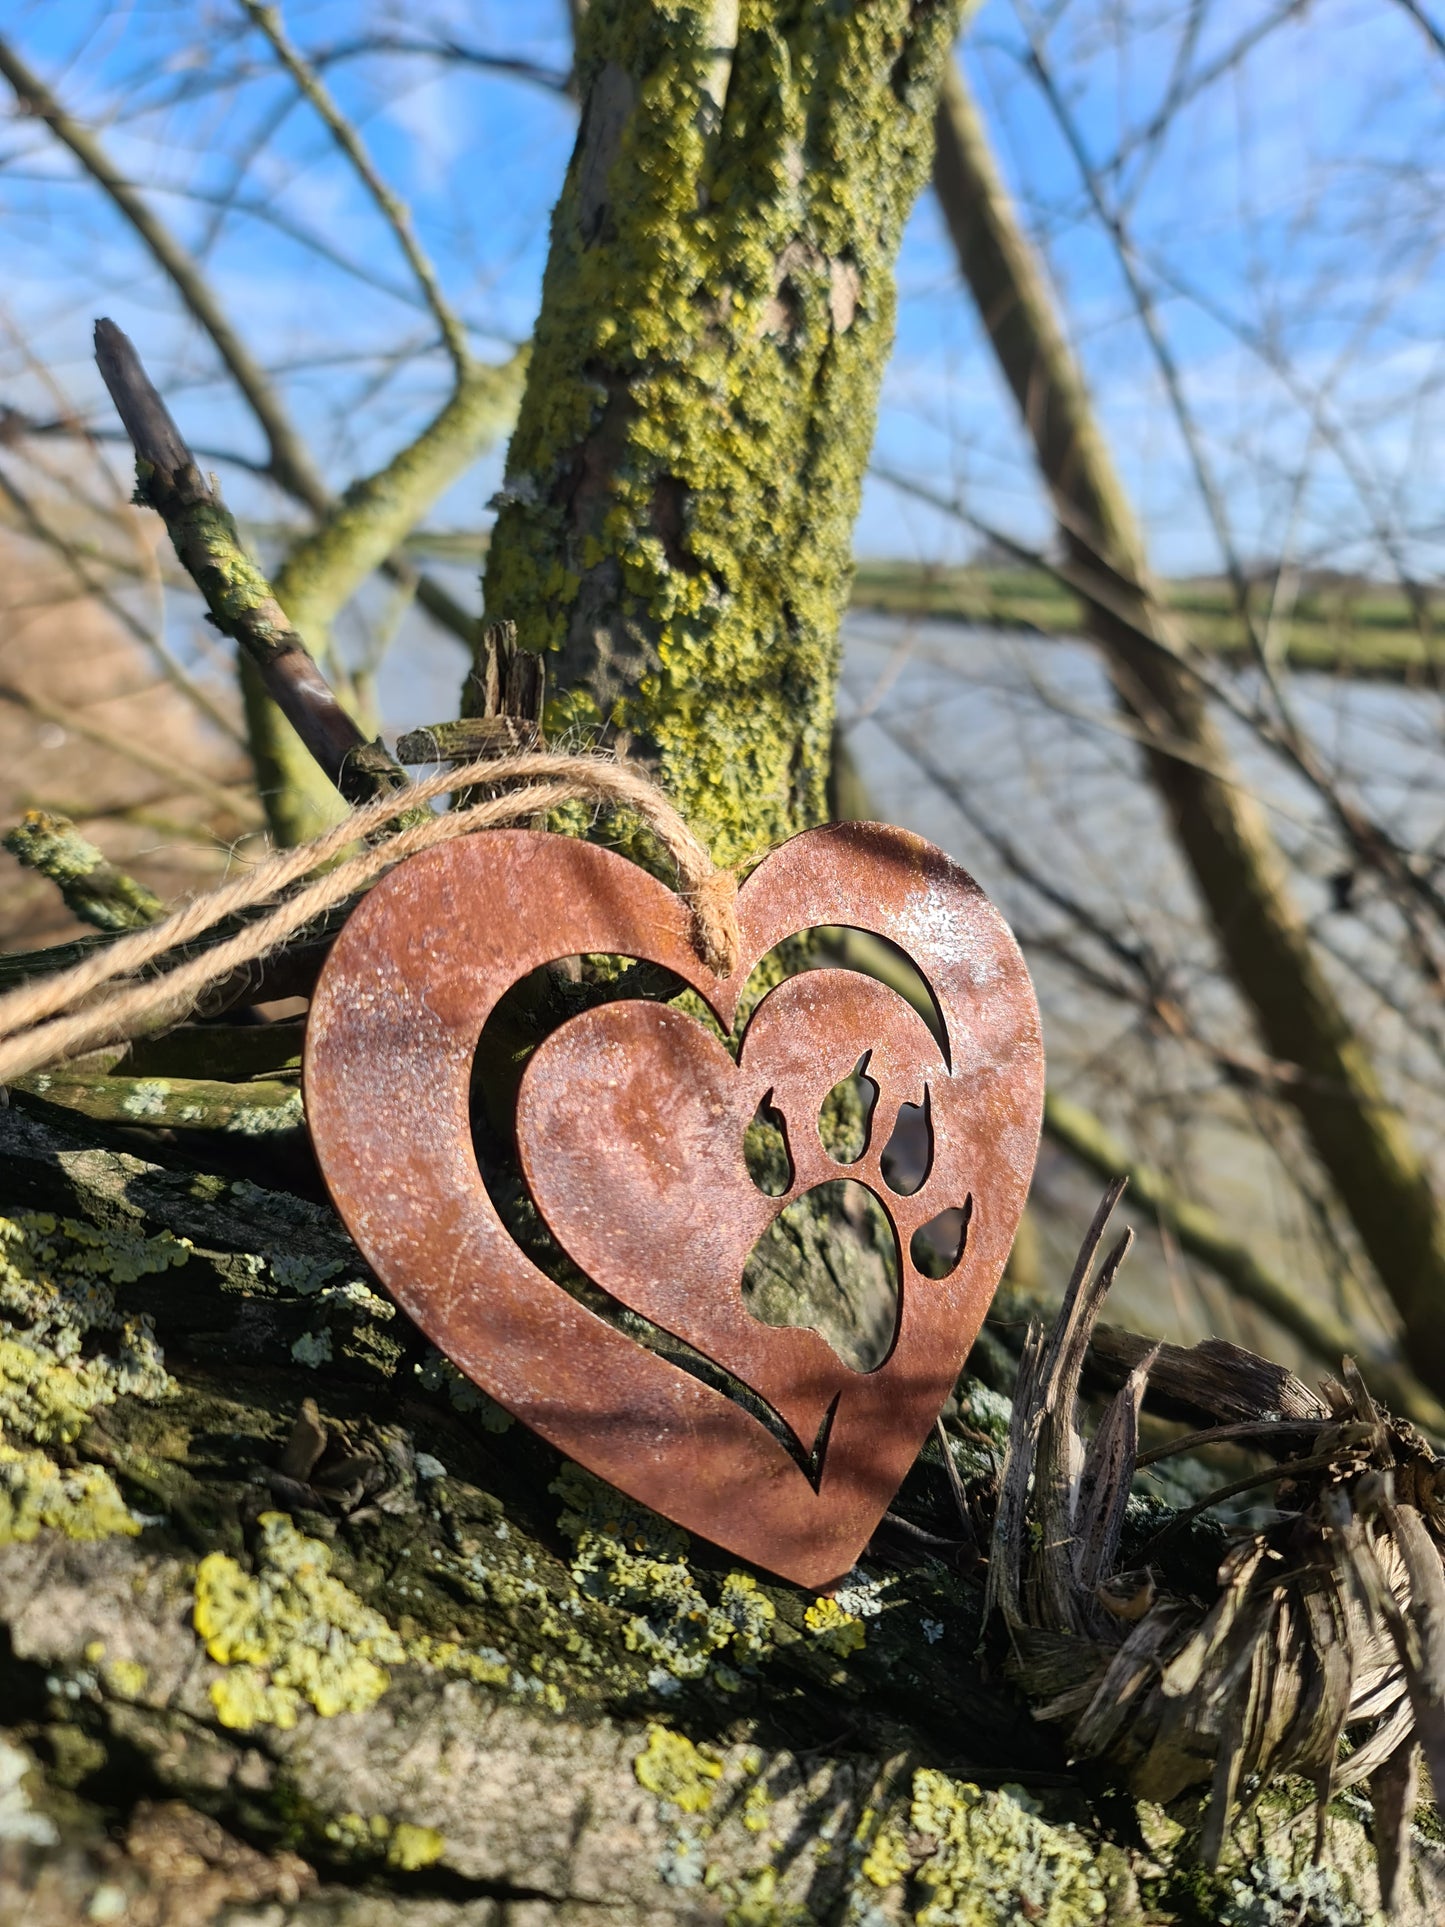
<point x="1423" y="21"/>
<point x="288" y="463"/>
<point x="1361" y="1139"/>
<point x="268" y="20"/>
<point x="288" y="458"/>
<point x="237" y="594"/>
<point x="366" y="527"/>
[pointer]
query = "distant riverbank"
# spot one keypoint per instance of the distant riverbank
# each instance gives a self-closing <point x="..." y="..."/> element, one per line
<point x="1334" y="624"/>
<point x="1325" y="620"/>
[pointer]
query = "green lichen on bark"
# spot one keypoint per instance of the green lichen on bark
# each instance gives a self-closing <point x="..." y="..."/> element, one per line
<point x="37" y="1495"/>
<point x="66" y="1346"/>
<point x="496" y="1677"/>
<point x="992" y="1859"/>
<point x="717" y="310"/>
<point x="324" y="569"/>
<point x="66" y="1350"/>
<point x="289" y="1634"/>
<point x="258" y="1109"/>
<point x="93" y="888"/>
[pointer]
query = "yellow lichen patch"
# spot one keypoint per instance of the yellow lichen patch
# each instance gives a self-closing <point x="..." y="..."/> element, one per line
<point x="994" y="1862"/>
<point x="35" y="1493"/>
<point x="887" y="1859"/>
<point x="355" y="1834"/>
<point x="757" y="1808"/>
<point x="126" y="1678"/>
<point x="674" y="1769"/>
<point x="834" y="1629"/>
<point x="411" y="1847"/>
<point x="751" y="1612"/>
<point x="289" y="1634"/>
<point x="628" y="1557"/>
<point x="65" y="1349"/>
<point x="486" y="1668"/>
<point x="754" y="1900"/>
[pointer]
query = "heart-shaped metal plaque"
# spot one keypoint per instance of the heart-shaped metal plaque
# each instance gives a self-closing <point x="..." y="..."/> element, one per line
<point x="630" y="1130"/>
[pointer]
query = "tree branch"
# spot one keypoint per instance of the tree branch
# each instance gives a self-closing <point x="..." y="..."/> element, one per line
<point x="154" y="644"/>
<point x="313" y="88"/>
<point x="288" y="463"/>
<point x="237" y="594"/>
<point x="1327" y="1338"/>
<point x="366" y="527"/>
<point x="93" y="888"/>
<point x="1362" y="1141"/>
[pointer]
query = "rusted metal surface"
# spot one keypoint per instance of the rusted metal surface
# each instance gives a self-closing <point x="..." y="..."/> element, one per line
<point x="630" y="1125"/>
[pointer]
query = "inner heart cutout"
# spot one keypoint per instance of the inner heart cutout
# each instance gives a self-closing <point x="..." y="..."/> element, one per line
<point x="630" y="1126"/>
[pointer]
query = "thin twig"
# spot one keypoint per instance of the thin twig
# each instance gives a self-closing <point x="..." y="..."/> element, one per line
<point x="268" y="20"/>
<point x="1201" y="1234"/>
<point x="1272" y="1475"/>
<point x="288" y="463"/>
<point x="955" y="1483"/>
<point x="73" y="555"/>
<point x="289" y="460"/>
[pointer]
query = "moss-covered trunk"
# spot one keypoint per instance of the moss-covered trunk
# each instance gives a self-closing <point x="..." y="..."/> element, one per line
<point x="718" y="306"/>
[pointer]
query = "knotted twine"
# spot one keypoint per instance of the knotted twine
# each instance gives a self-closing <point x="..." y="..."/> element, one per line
<point x="99" y="1001"/>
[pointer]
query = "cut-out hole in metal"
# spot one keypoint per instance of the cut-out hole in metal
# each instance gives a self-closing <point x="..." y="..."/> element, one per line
<point x="845" y="1122"/>
<point x="829" y="1262"/>
<point x="834" y="946"/>
<point x="908" y="1155"/>
<point x="937" y="1247"/>
<point x="765" y="1150"/>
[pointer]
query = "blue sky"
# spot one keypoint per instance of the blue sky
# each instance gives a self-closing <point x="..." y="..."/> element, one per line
<point x="1287" y="222"/>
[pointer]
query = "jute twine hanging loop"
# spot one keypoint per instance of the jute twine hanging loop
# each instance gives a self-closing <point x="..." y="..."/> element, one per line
<point x="103" y="1000"/>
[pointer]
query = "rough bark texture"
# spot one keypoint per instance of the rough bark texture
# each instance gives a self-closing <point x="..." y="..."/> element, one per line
<point x="1359" y="1138"/>
<point x="382" y="1658"/>
<point x="718" y="306"/>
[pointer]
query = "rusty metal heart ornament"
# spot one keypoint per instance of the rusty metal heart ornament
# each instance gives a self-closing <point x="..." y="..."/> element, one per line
<point x="630" y="1131"/>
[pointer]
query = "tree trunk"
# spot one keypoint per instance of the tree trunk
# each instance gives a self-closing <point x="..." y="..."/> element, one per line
<point x="718" y="307"/>
<point x="1359" y="1138"/>
<point x="297" y="1630"/>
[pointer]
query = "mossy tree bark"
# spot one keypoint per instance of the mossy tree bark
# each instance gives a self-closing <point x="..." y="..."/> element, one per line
<point x="718" y="307"/>
<point x="296" y="1630"/>
<point x="1361" y="1140"/>
<point x="677" y="514"/>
